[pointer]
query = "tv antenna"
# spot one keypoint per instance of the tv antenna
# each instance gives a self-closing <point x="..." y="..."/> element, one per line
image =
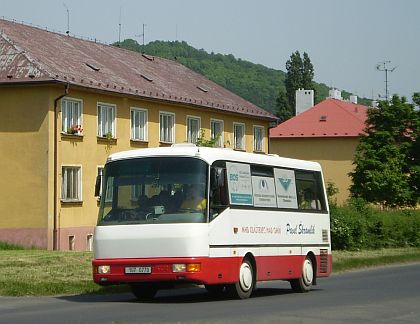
<point x="383" y="66"/>
<point x="142" y="35"/>
<point x="119" y="28"/>
<point x="68" y="19"/>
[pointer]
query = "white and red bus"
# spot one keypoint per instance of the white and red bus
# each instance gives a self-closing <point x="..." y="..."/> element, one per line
<point x="262" y="217"/>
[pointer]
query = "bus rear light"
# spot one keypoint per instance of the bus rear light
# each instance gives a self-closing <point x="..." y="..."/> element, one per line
<point x="186" y="267"/>
<point x="104" y="269"/>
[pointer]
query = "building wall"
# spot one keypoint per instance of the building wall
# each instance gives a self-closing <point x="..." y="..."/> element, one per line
<point x="27" y="163"/>
<point x="76" y="220"/>
<point x="334" y="154"/>
<point x="24" y="165"/>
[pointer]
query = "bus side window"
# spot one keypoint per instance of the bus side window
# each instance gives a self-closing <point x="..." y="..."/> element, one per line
<point x="218" y="191"/>
<point x="309" y="191"/>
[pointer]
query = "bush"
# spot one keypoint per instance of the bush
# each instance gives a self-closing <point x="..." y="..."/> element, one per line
<point x="357" y="226"/>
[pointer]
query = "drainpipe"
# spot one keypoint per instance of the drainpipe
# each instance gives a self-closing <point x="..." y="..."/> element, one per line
<point x="271" y="125"/>
<point x="55" y="236"/>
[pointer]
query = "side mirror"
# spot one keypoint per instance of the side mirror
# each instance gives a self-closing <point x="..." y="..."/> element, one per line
<point x="98" y="185"/>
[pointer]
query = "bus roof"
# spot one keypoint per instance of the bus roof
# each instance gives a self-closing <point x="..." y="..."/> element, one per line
<point x="210" y="155"/>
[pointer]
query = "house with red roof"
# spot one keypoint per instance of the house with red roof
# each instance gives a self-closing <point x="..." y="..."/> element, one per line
<point x="328" y="133"/>
<point x="67" y="103"/>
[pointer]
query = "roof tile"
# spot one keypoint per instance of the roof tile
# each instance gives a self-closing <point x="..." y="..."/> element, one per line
<point x="62" y="58"/>
<point x="342" y="119"/>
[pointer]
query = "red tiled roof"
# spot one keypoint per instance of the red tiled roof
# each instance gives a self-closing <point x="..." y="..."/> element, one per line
<point x="29" y="54"/>
<point x="329" y="118"/>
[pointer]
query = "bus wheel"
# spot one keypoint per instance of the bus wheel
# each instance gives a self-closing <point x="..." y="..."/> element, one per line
<point x="143" y="291"/>
<point x="244" y="287"/>
<point x="304" y="283"/>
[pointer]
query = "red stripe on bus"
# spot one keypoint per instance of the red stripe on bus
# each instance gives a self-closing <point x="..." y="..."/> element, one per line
<point x="213" y="270"/>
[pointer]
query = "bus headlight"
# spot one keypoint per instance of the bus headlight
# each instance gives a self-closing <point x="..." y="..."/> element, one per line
<point x="179" y="267"/>
<point x="104" y="269"/>
<point x="186" y="267"/>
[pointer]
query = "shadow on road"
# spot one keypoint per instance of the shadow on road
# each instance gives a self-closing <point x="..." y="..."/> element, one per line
<point x="174" y="296"/>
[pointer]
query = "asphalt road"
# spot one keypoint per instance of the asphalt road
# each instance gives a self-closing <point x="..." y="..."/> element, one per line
<point x="389" y="295"/>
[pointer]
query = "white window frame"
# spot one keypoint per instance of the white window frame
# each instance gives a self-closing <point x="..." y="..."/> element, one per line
<point x="220" y="140"/>
<point x="70" y="118"/>
<point x="235" y="135"/>
<point x="75" y="194"/>
<point x="166" y="136"/>
<point x="189" y="132"/>
<point x="258" y="147"/>
<point x="138" y="132"/>
<point x="103" y="130"/>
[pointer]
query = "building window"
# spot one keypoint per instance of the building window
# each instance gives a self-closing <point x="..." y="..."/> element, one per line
<point x="193" y="129"/>
<point x="167" y="129"/>
<point x="71" y="116"/>
<point x="71" y="188"/>
<point x="258" y="139"/>
<point x="138" y="124"/>
<point x="238" y="136"/>
<point x="216" y="129"/>
<point x="106" y="120"/>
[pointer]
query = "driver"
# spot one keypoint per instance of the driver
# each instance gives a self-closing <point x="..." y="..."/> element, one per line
<point x="194" y="198"/>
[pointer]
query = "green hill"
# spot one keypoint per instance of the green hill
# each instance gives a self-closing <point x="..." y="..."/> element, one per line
<point x="254" y="82"/>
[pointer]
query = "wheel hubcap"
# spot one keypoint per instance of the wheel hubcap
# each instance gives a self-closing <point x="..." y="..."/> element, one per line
<point x="308" y="272"/>
<point x="245" y="277"/>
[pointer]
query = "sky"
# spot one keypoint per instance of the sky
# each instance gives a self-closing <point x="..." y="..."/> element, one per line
<point x="345" y="39"/>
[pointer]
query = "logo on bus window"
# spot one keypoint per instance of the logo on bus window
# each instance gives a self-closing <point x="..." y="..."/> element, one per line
<point x="239" y="183"/>
<point x="285" y="188"/>
<point x="285" y="183"/>
<point x="264" y="192"/>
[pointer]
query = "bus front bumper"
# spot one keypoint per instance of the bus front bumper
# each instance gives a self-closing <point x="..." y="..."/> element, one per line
<point x="199" y="270"/>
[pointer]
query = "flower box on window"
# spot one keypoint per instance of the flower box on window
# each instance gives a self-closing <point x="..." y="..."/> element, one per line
<point x="75" y="130"/>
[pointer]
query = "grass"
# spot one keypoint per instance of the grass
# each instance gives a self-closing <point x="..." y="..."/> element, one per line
<point x="31" y="272"/>
<point x="42" y="273"/>
<point x="346" y="260"/>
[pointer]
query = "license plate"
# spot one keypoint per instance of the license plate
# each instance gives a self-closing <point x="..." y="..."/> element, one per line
<point x="131" y="270"/>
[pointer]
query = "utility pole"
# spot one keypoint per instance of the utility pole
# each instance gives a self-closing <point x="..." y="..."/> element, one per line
<point x="383" y="66"/>
<point x="142" y="35"/>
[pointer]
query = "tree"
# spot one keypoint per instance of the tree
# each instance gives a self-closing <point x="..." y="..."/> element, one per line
<point x="300" y="74"/>
<point x="385" y="162"/>
<point x="416" y="98"/>
<point x="307" y="72"/>
<point x="283" y="109"/>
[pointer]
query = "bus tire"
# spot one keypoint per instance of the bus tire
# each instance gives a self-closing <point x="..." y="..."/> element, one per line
<point x="305" y="282"/>
<point x="143" y="291"/>
<point x="246" y="283"/>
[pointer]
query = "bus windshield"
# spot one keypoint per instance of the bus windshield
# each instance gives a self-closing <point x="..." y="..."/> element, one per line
<point x="154" y="190"/>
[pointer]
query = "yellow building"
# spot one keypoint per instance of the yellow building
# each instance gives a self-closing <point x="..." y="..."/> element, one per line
<point x="66" y="104"/>
<point x="328" y="133"/>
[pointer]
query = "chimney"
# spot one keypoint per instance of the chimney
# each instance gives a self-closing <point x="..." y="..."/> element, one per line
<point x="304" y="100"/>
<point x="353" y="99"/>
<point x="335" y="94"/>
